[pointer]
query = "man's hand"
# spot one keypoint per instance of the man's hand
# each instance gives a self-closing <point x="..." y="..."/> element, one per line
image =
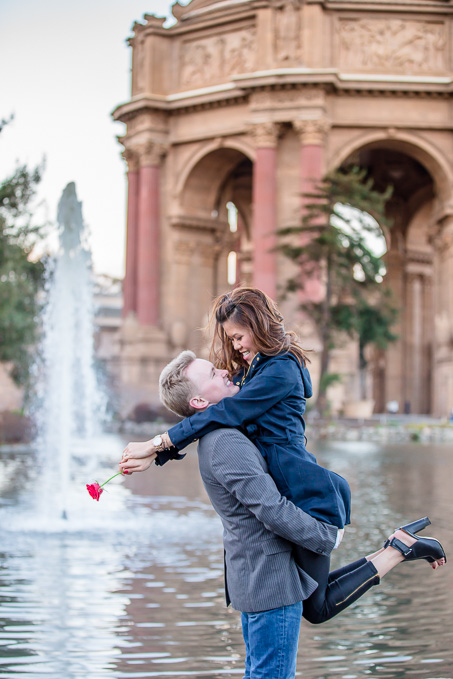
<point x="137" y="464"/>
<point x="339" y="538"/>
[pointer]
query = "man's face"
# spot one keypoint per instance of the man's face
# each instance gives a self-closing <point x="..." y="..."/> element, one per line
<point x="211" y="384"/>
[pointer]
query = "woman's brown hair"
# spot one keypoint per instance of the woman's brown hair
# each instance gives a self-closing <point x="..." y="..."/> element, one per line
<point x="252" y="309"/>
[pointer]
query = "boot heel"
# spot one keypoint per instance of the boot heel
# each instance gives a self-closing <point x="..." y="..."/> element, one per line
<point x="416" y="526"/>
<point x="412" y="528"/>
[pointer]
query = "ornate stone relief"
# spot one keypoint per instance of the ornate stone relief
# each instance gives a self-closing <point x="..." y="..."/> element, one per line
<point x="312" y="132"/>
<point x="150" y="152"/>
<point x="213" y="59"/>
<point x="131" y="159"/>
<point x="287" y="31"/>
<point x="265" y="134"/>
<point x="409" y="47"/>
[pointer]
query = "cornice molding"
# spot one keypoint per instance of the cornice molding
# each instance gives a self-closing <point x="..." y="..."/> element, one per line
<point x="224" y="96"/>
<point x="387" y="6"/>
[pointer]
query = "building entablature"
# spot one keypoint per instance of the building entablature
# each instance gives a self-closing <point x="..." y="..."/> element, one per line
<point x="281" y="94"/>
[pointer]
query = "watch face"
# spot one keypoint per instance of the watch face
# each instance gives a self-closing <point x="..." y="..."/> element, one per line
<point x="157" y="441"/>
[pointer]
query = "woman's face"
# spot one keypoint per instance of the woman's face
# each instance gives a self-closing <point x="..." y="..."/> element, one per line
<point x="242" y="340"/>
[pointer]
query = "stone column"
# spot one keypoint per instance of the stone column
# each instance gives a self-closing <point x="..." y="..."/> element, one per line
<point x="413" y="341"/>
<point x="443" y="321"/>
<point x="148" y="253"/>
<point x="265" y="208"/>
<point x="312" y="134"/>
<point x="394" y="355"/>
<point x="130" y="278"/>
<point x="418" y="317"/>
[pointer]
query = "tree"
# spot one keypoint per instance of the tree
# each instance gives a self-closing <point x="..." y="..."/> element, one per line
<point x="332" y="243"/>
<point x="20" y="277"/>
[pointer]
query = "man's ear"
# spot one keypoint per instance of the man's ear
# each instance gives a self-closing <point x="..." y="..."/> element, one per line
<point x="198" y="402"/>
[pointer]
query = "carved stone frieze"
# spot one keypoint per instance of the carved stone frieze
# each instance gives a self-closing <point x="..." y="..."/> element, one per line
<point x="150" y="152"/>
<point x="312" y="132"/>
<point x="288" y="32"/>
<point x="212" y="59"/>
<point x="132" y="159"/>
<point x="409" y="47"/>
<point x="265" y="134"/>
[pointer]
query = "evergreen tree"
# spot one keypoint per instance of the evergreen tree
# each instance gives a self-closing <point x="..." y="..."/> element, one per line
<point x="332" y="243"/>
<point x="20" y="277"/>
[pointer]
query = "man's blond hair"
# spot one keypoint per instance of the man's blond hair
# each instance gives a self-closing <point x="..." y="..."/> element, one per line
<point x="175" y="388"/>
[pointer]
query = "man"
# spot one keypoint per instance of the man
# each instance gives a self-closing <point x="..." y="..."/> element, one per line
<point x="262" y="579"/>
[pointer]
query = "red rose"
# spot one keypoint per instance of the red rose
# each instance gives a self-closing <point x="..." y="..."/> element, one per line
<point x="95" y="490"/>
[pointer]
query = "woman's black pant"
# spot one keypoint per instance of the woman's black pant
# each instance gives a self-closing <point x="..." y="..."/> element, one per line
<point x="336" y="590"/>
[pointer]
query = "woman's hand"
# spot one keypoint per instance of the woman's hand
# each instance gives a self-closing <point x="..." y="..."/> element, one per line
<point x="138" y="449"/>
<point x="139" y="464"/>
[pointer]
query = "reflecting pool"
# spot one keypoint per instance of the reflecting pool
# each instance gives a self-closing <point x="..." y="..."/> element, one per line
<point x="132" y="586"/>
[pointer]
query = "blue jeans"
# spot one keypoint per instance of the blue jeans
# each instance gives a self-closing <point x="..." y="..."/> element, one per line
<point x="271" y="639"/>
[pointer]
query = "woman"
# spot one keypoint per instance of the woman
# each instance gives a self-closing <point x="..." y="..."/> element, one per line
<point x="268" y="364"/>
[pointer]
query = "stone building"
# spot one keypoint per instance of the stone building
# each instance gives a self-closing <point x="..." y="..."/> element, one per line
<point x="247" y="102"/>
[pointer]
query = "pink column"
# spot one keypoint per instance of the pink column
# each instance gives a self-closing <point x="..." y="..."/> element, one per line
<point x="240" y="239"/>
<point x="148" y="254"/>
<point x="130" y="278"/>
<point x="312" y="167"/>
<point x="265" y="210"/>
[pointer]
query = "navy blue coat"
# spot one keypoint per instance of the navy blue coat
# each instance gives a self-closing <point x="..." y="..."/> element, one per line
<point x="269" y="409"/>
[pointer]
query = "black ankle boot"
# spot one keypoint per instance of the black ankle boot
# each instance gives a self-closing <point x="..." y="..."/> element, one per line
<point x="429" y="549"/>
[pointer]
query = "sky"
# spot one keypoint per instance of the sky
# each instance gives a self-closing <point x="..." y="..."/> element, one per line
<point x="65" y="66"/>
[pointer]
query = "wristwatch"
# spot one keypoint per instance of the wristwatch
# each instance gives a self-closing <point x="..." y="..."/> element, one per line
<point x="158" y="442"/>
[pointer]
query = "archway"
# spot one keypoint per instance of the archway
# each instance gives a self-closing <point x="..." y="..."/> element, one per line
<point x="404" y="373"/>
<point x="203" y="239"/>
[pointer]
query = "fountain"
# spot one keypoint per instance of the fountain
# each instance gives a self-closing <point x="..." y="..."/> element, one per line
<point x="71" y="402"/>
<point x="73" y="571"/>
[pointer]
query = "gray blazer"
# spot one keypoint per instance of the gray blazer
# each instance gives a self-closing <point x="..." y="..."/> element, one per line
<point x="259" y="526"/>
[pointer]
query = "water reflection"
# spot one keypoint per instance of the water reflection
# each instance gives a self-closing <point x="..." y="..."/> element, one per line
<point x="132" y="586"/>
